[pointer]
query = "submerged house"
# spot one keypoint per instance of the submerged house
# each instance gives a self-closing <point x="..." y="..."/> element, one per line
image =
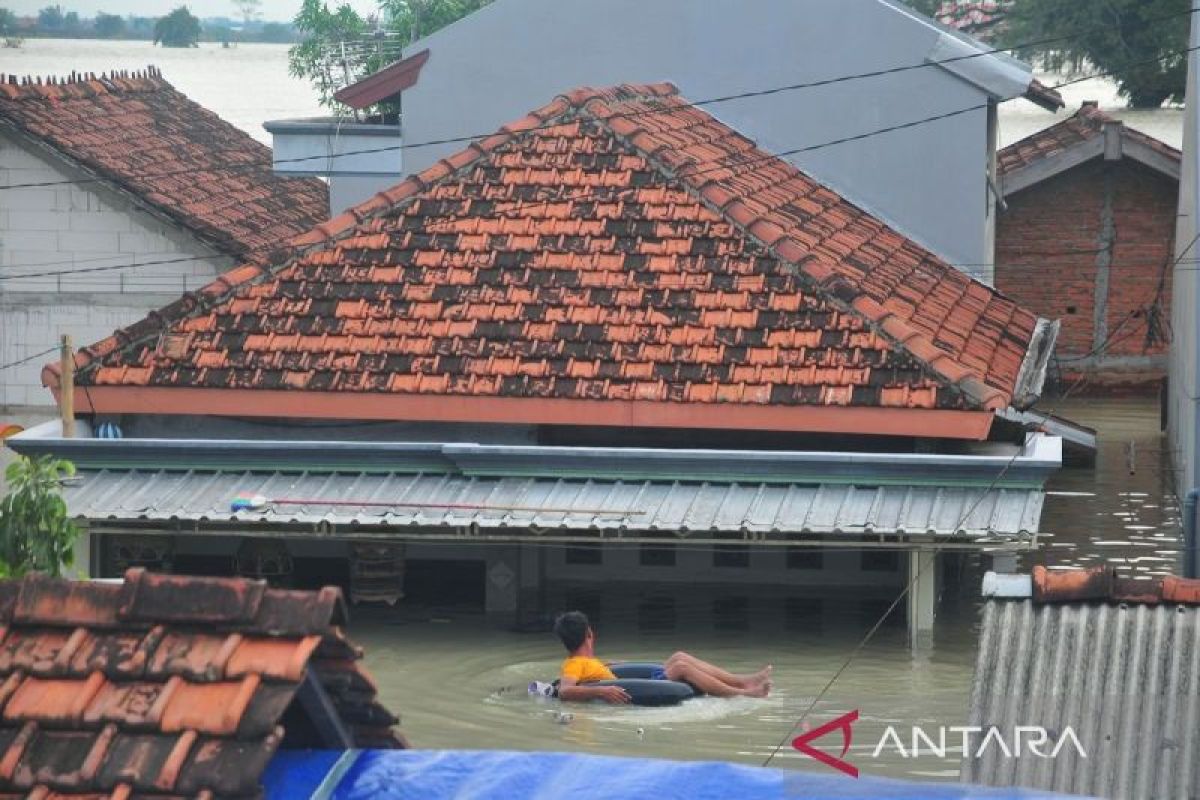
<point x="1086" y="234"/>
<point x="615" y="341"/>
<point x="119" y="195"/>
<point x="173" y="686"/>
<point x="863" y="95"/>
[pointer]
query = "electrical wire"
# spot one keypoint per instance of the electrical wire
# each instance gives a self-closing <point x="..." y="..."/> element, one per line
<point x="27" y="359"/>
<point x="692" y="104"/>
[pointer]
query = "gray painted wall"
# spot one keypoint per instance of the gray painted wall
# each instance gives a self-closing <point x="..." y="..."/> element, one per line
<point x="929" y="181"/>
<point x="1184" y="376"/>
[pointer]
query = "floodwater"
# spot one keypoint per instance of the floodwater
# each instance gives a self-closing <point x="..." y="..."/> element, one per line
<point x="459" y="682"/>
<point x="249" y="84"/>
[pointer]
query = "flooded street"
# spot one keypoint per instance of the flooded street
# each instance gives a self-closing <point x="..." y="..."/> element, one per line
<point x="459" y="682"/>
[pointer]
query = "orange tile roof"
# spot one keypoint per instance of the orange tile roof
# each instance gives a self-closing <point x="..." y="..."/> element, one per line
<point x="615" y="245"/>
<point x="141" y="135"/>
<point x="1103" y="584"/>
<point x="167" y="685"/>
<point x="1085" y="124"/>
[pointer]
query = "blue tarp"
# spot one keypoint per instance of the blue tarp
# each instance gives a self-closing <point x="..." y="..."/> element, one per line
<point x="487" y="774"/>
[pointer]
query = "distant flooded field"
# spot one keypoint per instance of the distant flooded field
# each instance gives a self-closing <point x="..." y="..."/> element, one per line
<point x="249" y="84"/>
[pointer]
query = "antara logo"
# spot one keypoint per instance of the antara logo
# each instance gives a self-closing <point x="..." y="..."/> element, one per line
<point x="1026" y="740"/>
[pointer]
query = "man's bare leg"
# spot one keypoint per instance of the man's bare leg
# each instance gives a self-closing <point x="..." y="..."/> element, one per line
<point x="744" y="681"/>
<point x="681" y="670"/>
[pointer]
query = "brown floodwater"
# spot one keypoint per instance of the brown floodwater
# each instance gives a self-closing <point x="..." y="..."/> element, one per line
<point x="460" y="682"/>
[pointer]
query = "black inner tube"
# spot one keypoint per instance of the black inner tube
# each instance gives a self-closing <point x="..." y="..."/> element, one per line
<point x="643" y="690"/>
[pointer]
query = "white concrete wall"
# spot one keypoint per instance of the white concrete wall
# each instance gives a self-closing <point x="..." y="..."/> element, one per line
<point x="1183" y="413"/>
<point x="497" y="64"/>
<point x="52" y="229"/>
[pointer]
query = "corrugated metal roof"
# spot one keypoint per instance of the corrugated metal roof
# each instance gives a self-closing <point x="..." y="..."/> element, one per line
<point x="1126" y="678"/>
<point x="554" y="503"/>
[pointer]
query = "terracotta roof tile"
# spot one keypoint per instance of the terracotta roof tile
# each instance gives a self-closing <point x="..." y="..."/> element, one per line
<point x="1085" y="124"/>
<point x="142" y="135"/>
<point x="525" y="266"/>
<point x="168" y="685"/>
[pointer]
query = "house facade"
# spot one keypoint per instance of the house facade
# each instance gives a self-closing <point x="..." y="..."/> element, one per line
<point x="1085" y="234"/>
<point x="1183" y="407"/>
<point x="119" y="195"/>
<point x="910" y="70"/>
<point x="613" y="341"/>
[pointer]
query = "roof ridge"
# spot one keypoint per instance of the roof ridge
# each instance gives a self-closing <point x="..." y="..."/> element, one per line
<point x="774" y="237"/>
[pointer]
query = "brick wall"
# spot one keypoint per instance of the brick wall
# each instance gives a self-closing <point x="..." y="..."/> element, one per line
<point x="1047" y="260"/>
<point x="50" y="229"/>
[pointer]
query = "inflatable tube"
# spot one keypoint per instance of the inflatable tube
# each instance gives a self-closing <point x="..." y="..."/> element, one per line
<point x="636" y="678"/>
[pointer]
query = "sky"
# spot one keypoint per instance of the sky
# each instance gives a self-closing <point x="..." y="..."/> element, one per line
<point x="272" y="10"/>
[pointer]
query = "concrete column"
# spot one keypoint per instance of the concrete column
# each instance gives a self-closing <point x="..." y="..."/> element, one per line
<point x="501" y="577"/>
<point x="922" y="594"/>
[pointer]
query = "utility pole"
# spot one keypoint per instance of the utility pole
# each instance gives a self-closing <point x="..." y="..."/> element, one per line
<point x="66" y="396"/>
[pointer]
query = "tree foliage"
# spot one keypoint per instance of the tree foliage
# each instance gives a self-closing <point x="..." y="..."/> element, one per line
<point x="249" y="9"/>
<point x="35" y="532"/>
<point x="332" y="52"/>
<point x="8" y="22"/>
<point x="177" y="29"/>
<point x="51" y="18"/>
<point x="1140" y="43"/>
<point x="109" y="26"/>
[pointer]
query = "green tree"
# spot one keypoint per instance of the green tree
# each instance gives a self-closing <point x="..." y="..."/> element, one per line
<point x="331" y="52"/>
<point x="50" y="19"/>
<point x="35" y="532"/>
<point x="277" y="32"/>
<point x="1140" y="43"/>
<point x="109" y="26"/>
<point x="317" y="56"/>
<point x="249" y="9"/>
<point x="8" y="22"/>
<point x="413" y="19"/>
<point x="177" y="29"/>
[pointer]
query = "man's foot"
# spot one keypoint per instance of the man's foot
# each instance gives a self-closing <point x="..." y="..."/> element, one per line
<point x="761" y="689"/>
<point x="763" y="674"/>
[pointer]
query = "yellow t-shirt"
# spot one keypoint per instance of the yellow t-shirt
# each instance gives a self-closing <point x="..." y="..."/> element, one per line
<point x="586" y="670"/>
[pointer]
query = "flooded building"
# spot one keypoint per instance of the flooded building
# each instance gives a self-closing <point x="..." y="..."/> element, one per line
<point x="1085" y="232"/>
<point x="613" y="342"/>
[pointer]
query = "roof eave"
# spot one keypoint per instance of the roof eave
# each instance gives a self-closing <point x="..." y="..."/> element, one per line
<point x="294" y="404"/>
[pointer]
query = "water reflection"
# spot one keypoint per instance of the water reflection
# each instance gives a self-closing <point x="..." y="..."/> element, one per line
<point x="459" y="682"/>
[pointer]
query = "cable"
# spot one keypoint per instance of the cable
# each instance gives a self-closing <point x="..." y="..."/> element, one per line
<point x="904" y="592"/>
<point x="692" y="104"/>
<point x="109" y="267"/>
<point x="27" y="359"/>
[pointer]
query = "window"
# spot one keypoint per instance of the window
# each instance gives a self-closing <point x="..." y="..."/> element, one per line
<point x="588" y="553"/>
<point x="657" y="555"/>
<point x="880" y="560"/>
<point x="731" y="555"/>
<point x="805" y="558"/>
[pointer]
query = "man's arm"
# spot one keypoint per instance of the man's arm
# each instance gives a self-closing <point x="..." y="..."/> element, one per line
<point x="572" y="690"/>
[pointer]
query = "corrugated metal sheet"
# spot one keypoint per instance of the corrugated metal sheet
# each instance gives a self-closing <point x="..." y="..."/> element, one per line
<point x="555" y="503"/>
<point x="1126" y="678"/>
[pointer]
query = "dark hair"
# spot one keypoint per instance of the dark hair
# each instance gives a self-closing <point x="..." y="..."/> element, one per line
<point x="571" y="627"/>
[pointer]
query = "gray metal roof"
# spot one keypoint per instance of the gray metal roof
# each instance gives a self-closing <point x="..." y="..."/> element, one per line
<point x="493" y="502"/>
<point x="1126" y="678"/>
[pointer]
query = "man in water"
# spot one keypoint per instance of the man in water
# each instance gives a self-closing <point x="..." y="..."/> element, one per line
<point x="582" y="667"/>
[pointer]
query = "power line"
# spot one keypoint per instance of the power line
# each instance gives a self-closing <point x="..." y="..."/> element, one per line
<point x="689" y="104"/>
<point x="27" y="359"/>
<point x="734" y="162"/>
<point x="904" y="592"/>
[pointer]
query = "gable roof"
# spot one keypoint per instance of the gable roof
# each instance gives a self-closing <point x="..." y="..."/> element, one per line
<point x="172" y="685"/>
<point x="142" y="137"/>
<point x="1088" y="133"/>
<point x="617" y="253"/>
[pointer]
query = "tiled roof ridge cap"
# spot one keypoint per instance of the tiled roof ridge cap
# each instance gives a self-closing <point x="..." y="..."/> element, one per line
<point x="112" y="81"/>
<point x="775" y="239"/>
<point x="1103" y="584"/>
